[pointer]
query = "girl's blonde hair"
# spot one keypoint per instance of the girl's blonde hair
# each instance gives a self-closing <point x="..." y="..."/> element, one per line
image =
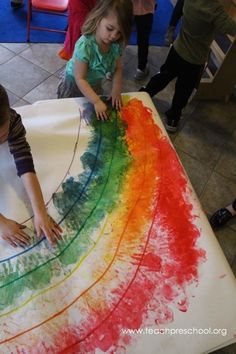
<point x="123" y="9"/>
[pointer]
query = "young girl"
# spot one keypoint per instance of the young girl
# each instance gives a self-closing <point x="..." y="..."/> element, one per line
<point x="97" y="55"/>
<point x="13" y="131"/>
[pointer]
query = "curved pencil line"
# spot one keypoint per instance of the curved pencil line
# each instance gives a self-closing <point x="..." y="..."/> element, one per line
<point x="72" y="160"/>
<point x="60" y="253"/>
<point x="68" y="169"/>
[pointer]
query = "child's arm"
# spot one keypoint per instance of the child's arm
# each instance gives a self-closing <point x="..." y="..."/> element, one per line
<point x="21" y="152"/>
<point x="116" y="85"/>
<point x="81" y="69"/>
<point x="43" y="223"/>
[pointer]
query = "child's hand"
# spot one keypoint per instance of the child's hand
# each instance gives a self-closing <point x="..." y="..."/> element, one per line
<point x="44" y="224"/>
<point x="13" y="233"/>
<point x="116" y="100"/>
<point x="100" y="109"/>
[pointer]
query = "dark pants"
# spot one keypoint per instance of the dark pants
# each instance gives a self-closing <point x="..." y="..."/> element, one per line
<point x="144" y="27"/>
<point x="234" y="204"/>
<point x="177" y="13"/>
<point x="188" y="77"/>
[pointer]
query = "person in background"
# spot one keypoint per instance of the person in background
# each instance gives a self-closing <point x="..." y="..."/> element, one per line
<point x="143" y="18"/>
<point x="223" y="215"/>
<point x="13" y="131"/>
<point x="97" y="55"/>
<point x="77" y="13"/>
<point x="175" y="17"/>
<point x="16" y="4"/>
<point x="188" y="54"/>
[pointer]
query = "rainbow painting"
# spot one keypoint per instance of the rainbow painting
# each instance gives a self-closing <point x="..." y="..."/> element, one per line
<point x="130" y="257"/>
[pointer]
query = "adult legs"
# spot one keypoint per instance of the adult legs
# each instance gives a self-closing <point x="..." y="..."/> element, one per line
<point x="187" y="77"/>
<point x="168" y="72"/>
<point x="144" y="27"/>
<point x="187" y="80"/>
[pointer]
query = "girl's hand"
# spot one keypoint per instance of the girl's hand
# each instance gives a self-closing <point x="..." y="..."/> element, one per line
<point x="44" y="224"/>
<point x="13" y="233"/>
<point x="116" y="100"/>
<point x="100" y="109"/>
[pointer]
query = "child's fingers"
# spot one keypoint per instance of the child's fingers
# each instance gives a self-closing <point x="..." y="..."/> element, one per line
<point x="21" y="239"/>
<point x="10" y="241"/>
<point x="50" y="236"/>
<point x="105" y="116"/>
<point x="98" y="116"/>
<point x="57" y="233"/>
<point x="53" y="233"/>
<point x="21" y="244"/>
<point x="116" y="103"/>
<point x="58" y="228"/>
<point x="120" y="104"/>
<point x="55" y="225"/>
<point x="102" y="116"/>
<point x="22" y="236"/>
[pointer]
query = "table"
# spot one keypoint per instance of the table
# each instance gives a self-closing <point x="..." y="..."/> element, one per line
<point x="139" y="269"/>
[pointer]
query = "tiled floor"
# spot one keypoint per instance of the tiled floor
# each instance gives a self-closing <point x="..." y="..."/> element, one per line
<point x="206" y="141"/>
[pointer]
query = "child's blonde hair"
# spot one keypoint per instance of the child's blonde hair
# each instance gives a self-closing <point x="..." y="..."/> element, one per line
<point x="4" y="106"/>
<point x="123" y="9"/>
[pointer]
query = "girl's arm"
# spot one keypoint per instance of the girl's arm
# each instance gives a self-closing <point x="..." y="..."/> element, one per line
<point x="43" y="223"/>
<point x="116" y="85"/>
<point x="81" y="69"/>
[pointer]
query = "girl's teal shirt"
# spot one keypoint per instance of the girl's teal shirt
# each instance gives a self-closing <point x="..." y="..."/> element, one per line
<point x="100" y="65"/>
